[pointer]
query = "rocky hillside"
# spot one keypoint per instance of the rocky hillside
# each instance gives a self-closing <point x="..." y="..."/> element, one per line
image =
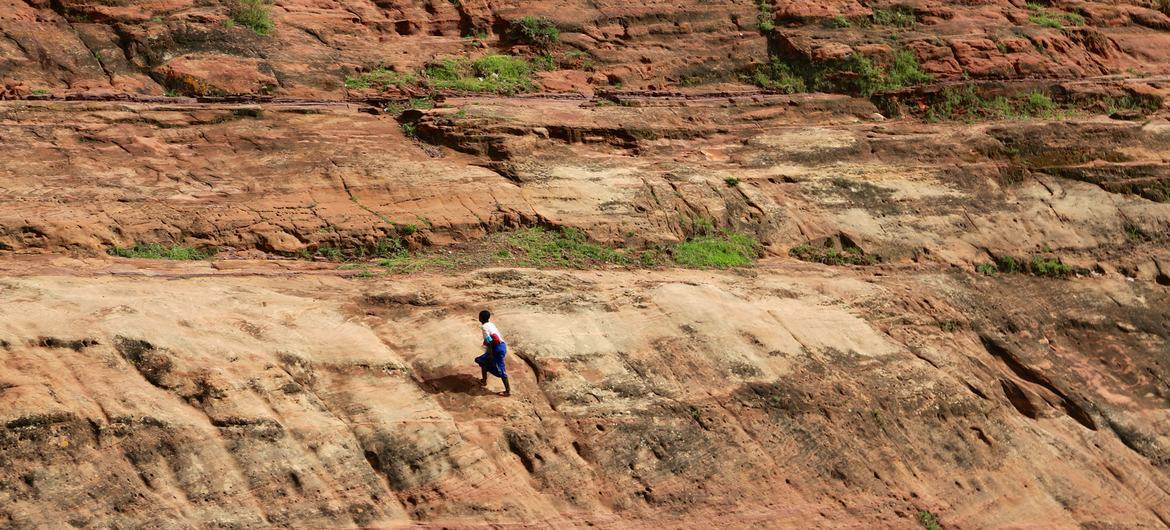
<point x="776" y="264"/>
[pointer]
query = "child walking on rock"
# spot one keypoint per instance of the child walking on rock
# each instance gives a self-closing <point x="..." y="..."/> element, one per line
<point x="492" y="359"/>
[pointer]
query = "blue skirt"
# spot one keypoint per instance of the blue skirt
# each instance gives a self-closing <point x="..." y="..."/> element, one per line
<point x="492" y="360"/>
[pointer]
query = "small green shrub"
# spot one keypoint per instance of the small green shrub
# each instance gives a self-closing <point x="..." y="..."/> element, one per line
<point x="1008" y="265"/>
<point x="699" y="226"/>
<point x="988" y="269"/>
<point x="544" y="63"/>
<point x="536" y="31"/>
<point x="493" y="73"/>
<point x="859" y="74"/>
<point x="384" y="248"/>
<point x="1037" y="103"/>
<point x="410" y="130"/>
<point x="1050" y="267"/>
<point x="776" y="75"/>
<point x="829" y="255"/>
<point x="380" y="78"/>
<point x="719" y="251"/>
<point x="157" y="251"/>
<point x="929" y="520"/>
<point x="765" y="19"/>
<point x="252" y="14"/>
<point x="731" y="182"/>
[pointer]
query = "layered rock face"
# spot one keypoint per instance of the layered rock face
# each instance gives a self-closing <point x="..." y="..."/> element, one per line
<point x="195" y="48"/>
<point x="957" y="315"/>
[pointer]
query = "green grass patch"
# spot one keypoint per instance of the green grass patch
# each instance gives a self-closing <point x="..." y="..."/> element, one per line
<point x="1037" y="265"/>
<point x="567" y="247"/>
<point x="1042" y="16"/>
<point x="380" y="78"/>
<point x="829" y="255"/>
<point x="720" y="251"/>
<point x="502" y="74"/>
<point x="252" y="14"/>
<point x="157" y="251"/>
<point x="40" y="91"/>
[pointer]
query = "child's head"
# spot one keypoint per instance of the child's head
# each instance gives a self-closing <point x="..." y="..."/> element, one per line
<point x="485" y="316"/>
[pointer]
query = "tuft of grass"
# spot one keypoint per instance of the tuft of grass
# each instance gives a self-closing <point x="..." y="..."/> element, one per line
<point x="987" y="269"/>
<point x="899" y="16"/>
<point x="567" y="247"/>
<point x="719" y="251"/>
<point x="776" y="75"/>
<point x="929" y="520"/>
<point x="252" y="14"/>
<point x="380" y="78"/>
<point x="731" y="182"/>
<point x="536" y="31"/>
<point x="156" y="251"/>
<point x="829" y="255"/>
<point x="410" y="130"/>
<point x="40" y="91"/>
<point x="502" y="74"/>
<point x="544" y="63"/>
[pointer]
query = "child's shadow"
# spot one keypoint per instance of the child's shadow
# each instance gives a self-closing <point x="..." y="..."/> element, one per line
<point x="455" y="384"/>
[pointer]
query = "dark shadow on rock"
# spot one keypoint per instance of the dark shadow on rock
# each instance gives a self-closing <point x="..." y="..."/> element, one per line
<point x="455" y="384"/>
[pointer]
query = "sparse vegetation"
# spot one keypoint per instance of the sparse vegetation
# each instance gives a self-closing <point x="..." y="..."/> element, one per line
<point x="829" y="255"/>
<point x="493" y="73"/>
<point x="839" y="22"/>
<point x="720" y="251"/>
<point x="860" y="75"/>
<point x="1050" y="267"/>
<point x="539" y="32"/>
<point x="765" y="18"/>
<point x="252" y="14"/>
<point x="156" y="251"/>
<point x="731" y="182"/>
<point x="410" y="130"/>
<point x="899" y="16"/>
<point x="380" y="78"/>
<point x="384" y="248"/>
<point x="1041" y="16"/>
<point x="776" y="75"/>
<point x="966" y="104"/>
<point x="1037" y="265"/>
<point x="40" y="91"/>
<point x="929" y="520"/>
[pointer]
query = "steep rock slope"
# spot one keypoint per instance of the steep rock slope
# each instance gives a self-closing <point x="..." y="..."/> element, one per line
<point x="790" y="396"/>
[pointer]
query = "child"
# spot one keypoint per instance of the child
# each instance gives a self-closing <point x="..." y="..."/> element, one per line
<point x="492" y="359"/>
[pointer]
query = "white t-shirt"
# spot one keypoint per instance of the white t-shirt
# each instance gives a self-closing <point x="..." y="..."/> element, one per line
<point x="490" y="329"/>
